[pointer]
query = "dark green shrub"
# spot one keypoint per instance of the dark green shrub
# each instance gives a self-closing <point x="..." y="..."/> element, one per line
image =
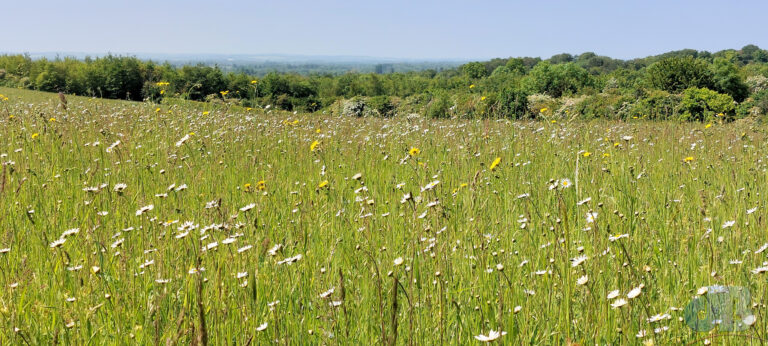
<point x="656" y="105"/>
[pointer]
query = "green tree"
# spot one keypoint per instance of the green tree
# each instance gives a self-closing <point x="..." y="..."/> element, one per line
<point x="727" y="80"/>
<point x="558" y="80"/>
<point x="676" y="74"/>
<point x="474" y="70"/>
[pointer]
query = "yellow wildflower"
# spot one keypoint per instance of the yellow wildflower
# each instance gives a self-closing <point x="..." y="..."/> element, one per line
<point x="495" y="163"/>
<point x="313" y="146"/>
<point x="543" y="109"/>
<point x="206" y="113"/>
<point x="586" y="154"/>
<point x="322" y="184"/>
<point x="414" y="151"/>
<point x="708" y="125"/>
<point x="688" y="159"/>
<point x="261" y="185"/>
<point x="34" y="135"/>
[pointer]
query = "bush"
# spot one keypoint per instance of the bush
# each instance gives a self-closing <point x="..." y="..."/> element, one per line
<point x="513" y="103"/>
<point x="699" y="104"/>
<point x="679" y="73"/>
<point x="656" y="105"/>
<point x="606" y="106"/>
<point x="558" y="80"/>
<point x="755" y="105"/>
<point x="382" y="106"/>
<point x="727" y="80"/>
<point x="537" y="102"/>
<point x="439" y="107"/>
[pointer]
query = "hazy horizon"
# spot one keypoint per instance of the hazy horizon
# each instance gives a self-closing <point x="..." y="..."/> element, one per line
<point x="397" y="30"/>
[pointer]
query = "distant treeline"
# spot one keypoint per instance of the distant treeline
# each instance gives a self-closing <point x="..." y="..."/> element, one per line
<point x="685" y="85"/>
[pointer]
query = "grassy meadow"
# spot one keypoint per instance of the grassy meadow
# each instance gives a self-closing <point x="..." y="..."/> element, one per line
<point x="193" y="223"/>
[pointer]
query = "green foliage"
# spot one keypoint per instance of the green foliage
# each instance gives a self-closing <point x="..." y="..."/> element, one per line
<point x="474" y="70"/>
<point x="439" y="106"/>
<point x="558" y="80"/>
<point x="679" y="73"/>
<point x="727" y="80"/>
<point x="656" y="105"/>
<point x="603" y="106"/>
<point x="700" y="104"/>
<point x="50" y="79"/>
<point x="382" y="105"/>
<point x="589" y="84"/>
<point x="513" y="102"/>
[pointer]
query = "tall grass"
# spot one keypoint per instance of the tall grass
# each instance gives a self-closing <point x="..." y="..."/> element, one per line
<point x="423" y="248"/>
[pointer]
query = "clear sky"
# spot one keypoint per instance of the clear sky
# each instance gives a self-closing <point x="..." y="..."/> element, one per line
<point x="440" y="29"/>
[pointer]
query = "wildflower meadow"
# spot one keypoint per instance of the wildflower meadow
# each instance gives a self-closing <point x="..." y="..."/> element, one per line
<point x="199" y="223"/>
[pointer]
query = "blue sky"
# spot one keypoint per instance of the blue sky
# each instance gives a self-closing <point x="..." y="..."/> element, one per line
<point x="444" y="29"/>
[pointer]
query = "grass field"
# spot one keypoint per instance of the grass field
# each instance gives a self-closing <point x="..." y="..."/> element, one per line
<point x="126" y="223"/>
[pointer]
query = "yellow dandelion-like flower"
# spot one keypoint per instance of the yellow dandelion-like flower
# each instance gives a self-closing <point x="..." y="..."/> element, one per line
<point x="314" y="145"/>
<point x="157" y="109"/>
<point x="34" y="135"/>
<point x="483" y="98"/>
<point x="254" y="81"/>
<point x="53" y="120"/>
<point x="688" y="159"/>
<point x="261" y="185"/>
<point x="708" y="125"/>
<point x="224" y="93"/>
<point x="206" y="113"/>
<point x="606" y="155"/>
<point x="586" y="154"/>
<point x="247" y="187"/>
<point x="162" y="92"/>
<point x="543" y="110"/>
<point x="495" y="163"/>
<point x="414" y="151"/>
<point x="322" y="184"/>
<point x="471" y="86"/>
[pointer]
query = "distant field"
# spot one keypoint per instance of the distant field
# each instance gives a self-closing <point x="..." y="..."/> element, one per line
<point x="137" y="223"/>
